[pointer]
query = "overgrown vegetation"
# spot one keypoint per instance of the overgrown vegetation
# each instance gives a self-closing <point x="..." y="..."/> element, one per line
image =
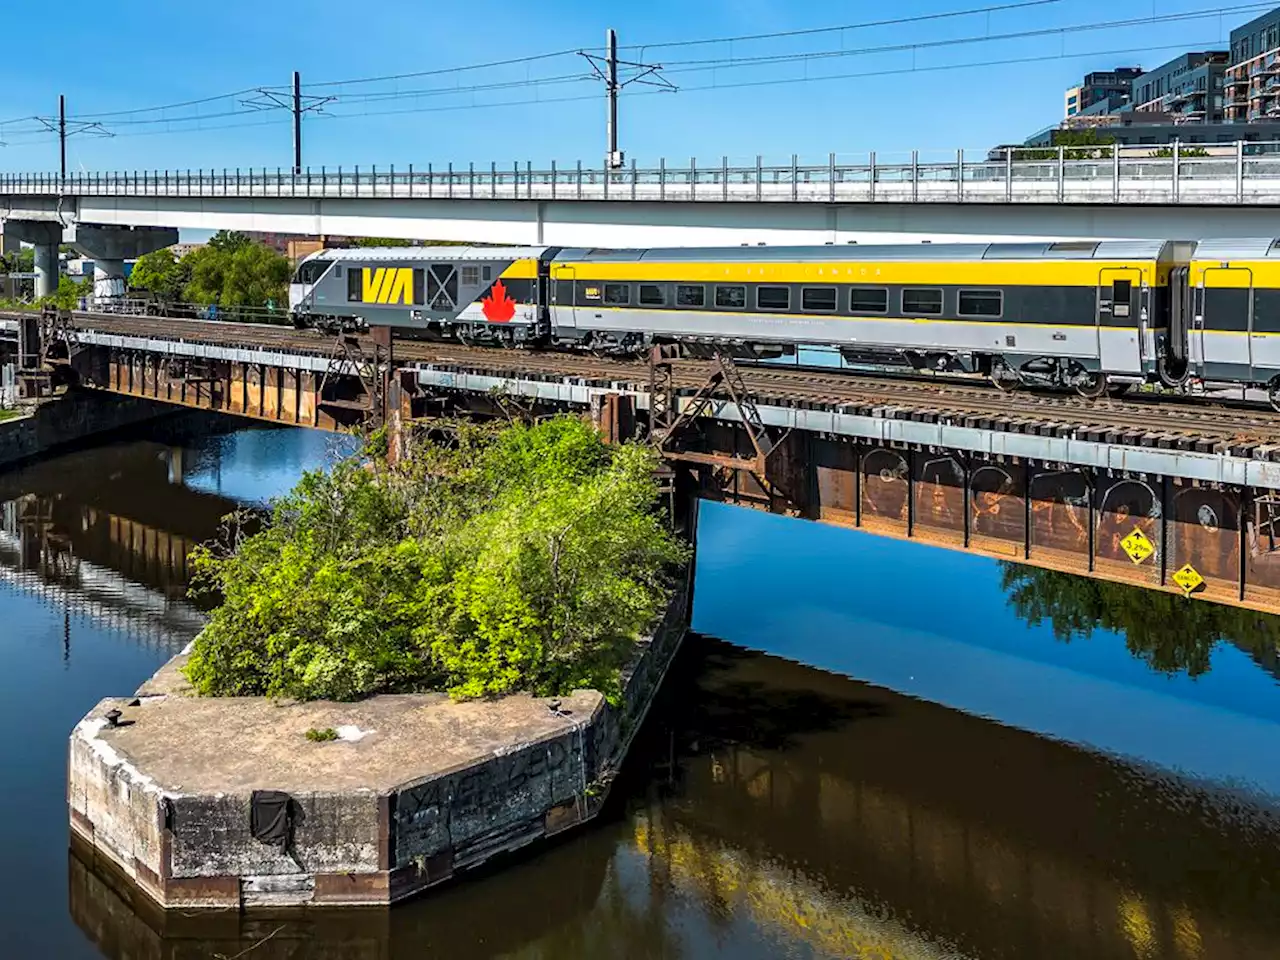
<point x="521" y="558"/>
<point x="230" y="272"/>
<point x="322" y="736"/>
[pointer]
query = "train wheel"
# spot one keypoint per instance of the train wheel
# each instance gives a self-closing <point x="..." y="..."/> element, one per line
<point x="1093" y="386"/>
<point x="1006" y="380"/>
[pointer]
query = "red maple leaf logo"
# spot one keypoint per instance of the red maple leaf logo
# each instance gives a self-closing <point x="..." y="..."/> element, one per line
<point x="498" y="307"/>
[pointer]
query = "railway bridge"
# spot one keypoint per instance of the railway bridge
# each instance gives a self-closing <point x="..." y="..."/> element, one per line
<point x="1175" y="495"/>
<point x="1098" y="193"/>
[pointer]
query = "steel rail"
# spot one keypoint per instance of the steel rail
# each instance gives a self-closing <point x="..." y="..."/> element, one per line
<point x="895" y="396"/>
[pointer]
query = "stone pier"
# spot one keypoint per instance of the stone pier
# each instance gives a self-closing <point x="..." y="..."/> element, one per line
<point x="227" y="803"/>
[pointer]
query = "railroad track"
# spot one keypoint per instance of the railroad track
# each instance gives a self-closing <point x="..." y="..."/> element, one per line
<point x="1183" y="423"/>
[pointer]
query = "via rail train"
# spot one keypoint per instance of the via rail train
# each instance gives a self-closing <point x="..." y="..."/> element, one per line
<point x="1096" y="317"/>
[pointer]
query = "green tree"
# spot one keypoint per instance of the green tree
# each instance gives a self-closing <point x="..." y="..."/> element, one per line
<point x="228" y="241"/>
<point x="1182" y="152"/>
<point x="24" y="261"/>
<point x="527" y="558"/>
<point x="1076" y="144"/>
<point x="236" y="273"/>
<point x="162" y="274"/>
<point x="68" y="294"/>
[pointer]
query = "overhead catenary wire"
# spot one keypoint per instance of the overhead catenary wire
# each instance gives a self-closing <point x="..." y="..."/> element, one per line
<point x="535" y="58"/>
<point x="135" y="121"/>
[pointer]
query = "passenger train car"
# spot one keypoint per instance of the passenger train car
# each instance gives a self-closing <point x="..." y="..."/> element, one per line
<point x="1094" y="316"/>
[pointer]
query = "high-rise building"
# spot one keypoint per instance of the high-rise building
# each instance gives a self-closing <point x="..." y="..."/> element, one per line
<point x="1252" y="88"/>
<point x="1098" y="86"/>
<point x="1189" y="88"/>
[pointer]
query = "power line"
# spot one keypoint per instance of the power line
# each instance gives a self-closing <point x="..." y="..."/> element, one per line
<point x="811" y="31"/>
<point x="133" y="122"/>
<point x="683" y="66"/>
<point x="535" y="58"/>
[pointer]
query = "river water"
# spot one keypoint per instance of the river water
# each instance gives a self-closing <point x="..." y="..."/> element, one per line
<point x="870" y="749"/>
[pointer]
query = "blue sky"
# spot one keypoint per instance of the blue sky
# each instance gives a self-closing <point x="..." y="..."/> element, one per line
<point x="131" y="54"/>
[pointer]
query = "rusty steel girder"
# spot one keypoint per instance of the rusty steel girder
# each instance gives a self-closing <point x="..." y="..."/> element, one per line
<point x="675" y="429"/>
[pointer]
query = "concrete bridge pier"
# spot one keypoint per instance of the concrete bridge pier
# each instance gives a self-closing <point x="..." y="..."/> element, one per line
<point x="110" y="247"/>
<point x="45" y="236"/>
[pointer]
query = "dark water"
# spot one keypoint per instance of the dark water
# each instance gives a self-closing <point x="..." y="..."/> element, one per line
<point x="884" y="758"/>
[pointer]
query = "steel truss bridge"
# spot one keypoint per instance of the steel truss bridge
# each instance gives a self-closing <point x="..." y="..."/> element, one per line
<point x="1172" y="495"/>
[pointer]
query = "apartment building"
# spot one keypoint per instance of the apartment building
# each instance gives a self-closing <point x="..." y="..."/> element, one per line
<point x="1252" y="86"/>
<point x="1189" y="88"/>
<point x="1099" y="86"/>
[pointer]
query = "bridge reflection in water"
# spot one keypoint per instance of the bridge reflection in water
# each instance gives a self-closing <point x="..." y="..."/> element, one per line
<point x="99" y="544"/>
<point x="774" y="809"/>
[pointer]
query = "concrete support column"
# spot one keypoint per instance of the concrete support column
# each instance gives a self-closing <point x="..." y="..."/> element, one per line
<point x="110" y="247"/>
<point x="46" y="269"/>
<point x="108" y="278"/>
<point x="45" y="236"/>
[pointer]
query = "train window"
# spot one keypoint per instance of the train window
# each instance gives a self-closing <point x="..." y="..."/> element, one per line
<point x="355" y="285"/>
<point x="311" y="271"/>
<point x="733" y="297"/>
<point x="691" y="295"/>
<point x="922" y="300"/>
<point x="652" y="295"/>
<point x="820" y="299"/>
<point x="618" y="294"/>
<point x="869" y="300"/>
<point x="471" y="276"/>
<point x="1121" y="295"/>
<point x="980" y="303"/>
<point x="773" y="298"/>
<point x="488" y="274"/>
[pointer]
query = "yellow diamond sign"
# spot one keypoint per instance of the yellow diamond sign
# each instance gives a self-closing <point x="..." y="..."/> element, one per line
<point x="1137" y="546"/>
<point x="1188" y="578"/>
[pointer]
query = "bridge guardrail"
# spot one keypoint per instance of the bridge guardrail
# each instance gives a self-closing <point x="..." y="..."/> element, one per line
<point x="1237" y="173"/>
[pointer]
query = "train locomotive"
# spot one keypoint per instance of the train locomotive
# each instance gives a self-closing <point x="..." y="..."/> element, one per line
<point x="1093" y="316"/>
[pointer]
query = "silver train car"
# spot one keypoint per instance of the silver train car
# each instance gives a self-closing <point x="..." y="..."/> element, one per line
<point x="1093" y="316"/>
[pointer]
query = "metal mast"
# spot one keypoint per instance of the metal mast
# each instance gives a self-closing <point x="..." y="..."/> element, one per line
<point x="297" y="122"/>
<point x="62" y="135"/>
<point x="606" y="69"/>
<point x="614" y="156"/>
<point x="276" y="98"/>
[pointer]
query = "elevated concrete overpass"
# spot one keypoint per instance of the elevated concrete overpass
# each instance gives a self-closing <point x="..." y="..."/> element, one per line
<point x="1108" y="195"/>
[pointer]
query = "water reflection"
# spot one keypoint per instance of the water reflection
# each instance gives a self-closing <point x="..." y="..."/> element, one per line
<point x="940" y="625"/>
<point x="1165" y="631"/>
<point x="772" y="809"/>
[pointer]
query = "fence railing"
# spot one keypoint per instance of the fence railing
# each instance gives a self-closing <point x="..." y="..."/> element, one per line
<point x="1211" y="174"/>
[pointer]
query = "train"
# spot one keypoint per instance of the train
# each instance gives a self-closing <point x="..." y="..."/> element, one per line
<point x="1097" y="317"/>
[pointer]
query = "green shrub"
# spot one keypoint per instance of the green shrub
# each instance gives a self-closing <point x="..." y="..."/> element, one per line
<point x="527" y="558"/>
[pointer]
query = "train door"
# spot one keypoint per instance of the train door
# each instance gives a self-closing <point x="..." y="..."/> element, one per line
<point x="1119" y="319"/>
<point x="1181" y="313"/>
<point x="564" y="293"/>
<point x="1224" y="322"/>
